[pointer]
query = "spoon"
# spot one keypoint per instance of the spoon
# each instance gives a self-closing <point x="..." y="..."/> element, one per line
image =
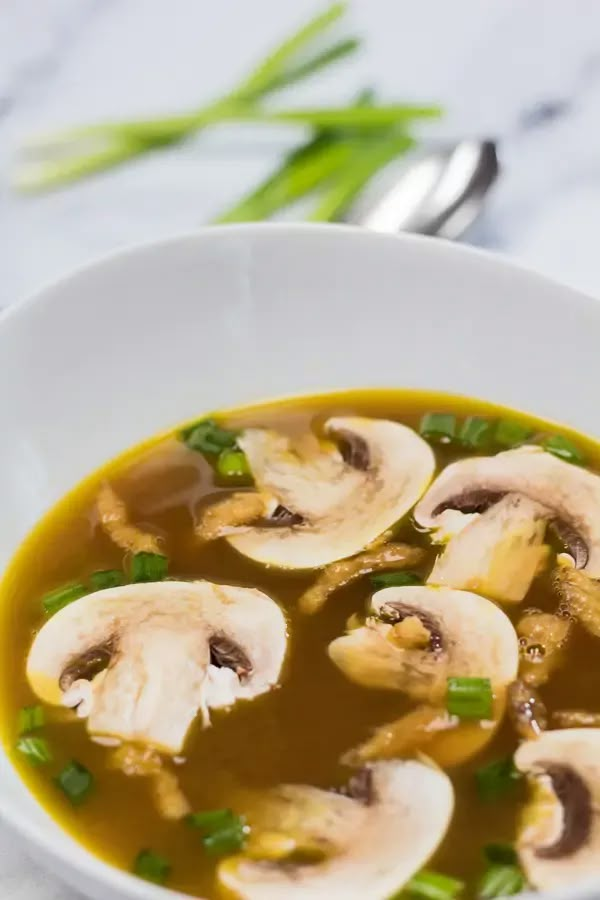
<point x="441" y="193"/>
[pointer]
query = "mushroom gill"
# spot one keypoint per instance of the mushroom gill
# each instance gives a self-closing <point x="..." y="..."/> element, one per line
<point x="337" y="499"/>
<point x="467" y="636"/>
<point x="367" y="841"/>
<point x="559" y="840"/>
<point x="492" y="514"/>
<point x="140" y="661"/>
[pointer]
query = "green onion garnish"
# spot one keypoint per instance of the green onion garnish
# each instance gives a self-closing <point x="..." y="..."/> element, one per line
<point x="232" y="465"/>
<point x="106" y="578"/>
<point x="511" y="434"/>
<point x="75" y="781"/>
<point x="433" y="886"/>
<point x="36" y="750"/>
<point x="223" y="831"/>
<point x="208" y="437"/>
<point x="476" y="433"/>
<point x="149" y="566"/>
<point x="497" y="778"/>
<point x="62" y="596"/>
<point x="469" y="698"/>
<point x="563" y="448"/>
<point x="439" y="427"/>
<point x="502" y="854"/>
<point x="152" y="867"/>
<point x="30" y="718"/>
<point x="500" y="881"/>
<point x="395" y="579"/>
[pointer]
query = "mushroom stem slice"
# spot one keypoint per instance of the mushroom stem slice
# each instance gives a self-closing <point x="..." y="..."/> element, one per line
<point x="114" y="518"/>
<point x="345" y="571"/>
<point x="229" y="514"/>
<point x="167" y="650"/>
<point x="371" y="841"/>
<point x="543" y="639"/>
<point x="498" y="553"/>
<point x="340" y="498"/>
<point x="144" y="762"/>
<point x="527" y="710"/>
<point x="469" y="636"/>
<point x="559" y="841"/>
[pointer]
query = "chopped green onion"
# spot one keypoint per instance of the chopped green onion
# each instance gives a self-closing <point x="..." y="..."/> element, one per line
<point x="211" y="820"/>
<point x="232" y="465"/>
<point x="469" y="698"/>
<point x="511" y="434"/>
<point x="208" y="437"/>
<point x="149" y="566"/>
<point x="75" y="781"/>
<point x="502" y="854"/>
<point x="223" y="831"/>
<point x="36" y="750"/>
<point x="152" y="867"/>
<point x="438" y="427"/>
<point x="563" y="448"/>
<point x="395" y="579"/>
<point x="433" y="886"/>
<point x="55" y="600"/>
<point x="497" y="778"/>
<point x="500" y="881"/>
<point x="106" y="578"/>
<point x="476" y="433"/>
<point x="30" y="718"/>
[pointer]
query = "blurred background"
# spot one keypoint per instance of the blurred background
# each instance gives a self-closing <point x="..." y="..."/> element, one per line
<point x="526" y="74"/>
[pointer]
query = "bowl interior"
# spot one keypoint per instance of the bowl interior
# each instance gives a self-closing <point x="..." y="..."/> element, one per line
<point x="154" y="336"/>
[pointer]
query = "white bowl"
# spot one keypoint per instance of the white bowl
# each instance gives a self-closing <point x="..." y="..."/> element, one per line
<point x="152" y="336"/>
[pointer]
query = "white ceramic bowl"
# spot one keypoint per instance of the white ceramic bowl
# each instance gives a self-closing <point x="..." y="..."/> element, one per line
<point x="152" y="336"/>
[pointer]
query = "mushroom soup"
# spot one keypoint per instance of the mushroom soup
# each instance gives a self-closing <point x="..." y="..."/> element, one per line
<point x="345" y="646"/>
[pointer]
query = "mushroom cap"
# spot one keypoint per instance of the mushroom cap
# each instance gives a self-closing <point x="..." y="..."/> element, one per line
<point x="346" y="497"/>
<point x="570" y="494"/>
<point x="469" y="636"/>
<point x="559" y="842"/>
<point x="140" y="660"/>
<point x="373" y="846"/>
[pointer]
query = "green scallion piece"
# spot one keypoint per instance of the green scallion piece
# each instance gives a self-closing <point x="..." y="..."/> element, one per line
<point x="36" y="750"/>
<point x="152" y="867"/>
<point x="208" y="437"/>
<point x="395" y="579"/>
<point x="500" y="881"/>
<point x="501" y="854"/>
<point x="497" y="778"/>
<point x="476" y="433"/>
<point x="31" y="718"/>
<point x="106" y="578"/>
<point x="438" y="427"/>
<point x="76" y="782"/>
<point x="428" y="885"/>
<point x="149" y="567"/>
<point x="232" y="465"/>
<point x="511" y="434"/>
<point x="225" y="841"/>
<point x="563" y="448"/>
<point x="55" y="600"/>
<point x="469" y="698"/>
<point x="211" y="820"/>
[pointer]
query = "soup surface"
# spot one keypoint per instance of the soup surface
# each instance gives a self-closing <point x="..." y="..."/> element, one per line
<point x="313" y="725"/>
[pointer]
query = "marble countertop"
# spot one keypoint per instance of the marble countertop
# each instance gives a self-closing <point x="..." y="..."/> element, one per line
<point x="494" y="66"/>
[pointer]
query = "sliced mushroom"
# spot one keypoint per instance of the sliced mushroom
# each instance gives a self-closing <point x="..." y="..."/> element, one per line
<point x="114" y="518"/>
<point x="559" y="841"/>
<point x="343" y="572"/>
<point x="543" y="639"/>
<point x="367" y="843"/>
<point x="493" y="512"/>
<point x="140" y="661"/>
<point x="226" y="515"/>
<point x="337" y="500"/>
<point x="527" y="710"/>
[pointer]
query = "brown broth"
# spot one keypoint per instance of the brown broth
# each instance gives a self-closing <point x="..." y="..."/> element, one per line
<point x="296" y="733"/>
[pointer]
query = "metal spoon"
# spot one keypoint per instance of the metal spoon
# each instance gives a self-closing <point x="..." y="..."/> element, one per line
<point x="441" y="193"/>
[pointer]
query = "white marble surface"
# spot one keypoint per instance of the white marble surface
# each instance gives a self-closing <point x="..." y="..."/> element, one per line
<point x="489" y="63"/>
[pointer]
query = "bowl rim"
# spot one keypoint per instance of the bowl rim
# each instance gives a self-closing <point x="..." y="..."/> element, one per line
<point x="83" y="861"/>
